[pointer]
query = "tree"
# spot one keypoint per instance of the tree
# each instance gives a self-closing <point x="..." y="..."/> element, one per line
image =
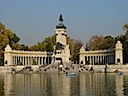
<point x="3" y="41"/>
<point x="124" y="41"/>
<point x="109" y="42"/>
<point x="46" y="45"/>
<point x="2" y="27"/>
<point x="77" y="45"/>
<point x="49" y="44"/>
<point x="7" y="37"/>
<point x="24" y="47"/>
<point x="95" y="43"/>
<point x="70" y="42"/>
<point x="125" y="27"/>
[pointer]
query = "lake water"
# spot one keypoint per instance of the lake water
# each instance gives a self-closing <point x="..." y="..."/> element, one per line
<point x="97" y="84"/>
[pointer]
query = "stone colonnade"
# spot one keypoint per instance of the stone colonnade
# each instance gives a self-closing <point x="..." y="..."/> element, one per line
<point x="98" y="57"/>
<point x="31" y="60"/>
<point x="113" y="56"/>
<point x="26" y="58"/>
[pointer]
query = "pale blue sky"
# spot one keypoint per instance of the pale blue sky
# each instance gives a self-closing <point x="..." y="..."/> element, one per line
<point x="34" y="20"/>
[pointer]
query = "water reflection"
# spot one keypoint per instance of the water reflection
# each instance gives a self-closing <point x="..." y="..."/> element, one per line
<point x="97" y="84"/>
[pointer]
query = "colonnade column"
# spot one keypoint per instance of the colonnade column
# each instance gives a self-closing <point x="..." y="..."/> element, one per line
<point x="82" y="59"/>
<point x="28" y="60"/>
<point x="101" y="59"/>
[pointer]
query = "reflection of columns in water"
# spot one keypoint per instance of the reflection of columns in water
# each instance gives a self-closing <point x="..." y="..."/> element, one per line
<point x="119" y="85"/>
<point x="65" y="88"/>
<point x="91" y="84"/>
<point x="8" y="84"/>
<point x="82" y="84"/>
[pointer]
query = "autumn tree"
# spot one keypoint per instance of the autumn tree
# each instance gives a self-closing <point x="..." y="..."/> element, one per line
<point x="48" y="45"/>
<point x="95" y="43"/>
<point x="6" y="37"/>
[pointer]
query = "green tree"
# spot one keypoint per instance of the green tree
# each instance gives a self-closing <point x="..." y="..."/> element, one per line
<point x="109" y="42"/>
<point x="50" y="43"/>
<point x="124" y="41"/>
<point x="71" y="43"/>
<point x="125" y="27"/>
<point x="24" y="47"/>
<point x="46" y="45"/>
<point x="77" y="45"/>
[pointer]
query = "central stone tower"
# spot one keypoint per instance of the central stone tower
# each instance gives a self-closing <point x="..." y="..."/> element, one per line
<point x="61" y="49"/>
<point x="61" y="32"/>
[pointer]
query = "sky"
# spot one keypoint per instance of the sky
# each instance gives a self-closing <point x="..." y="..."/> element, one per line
<point x="34" y="20"/>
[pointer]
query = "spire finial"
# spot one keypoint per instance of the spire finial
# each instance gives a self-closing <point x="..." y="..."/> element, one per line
<point x="60" y="25"/>
<point x="61" y="19"/>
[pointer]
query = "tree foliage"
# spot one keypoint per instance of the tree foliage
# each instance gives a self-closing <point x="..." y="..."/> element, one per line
<point x="7" y="37"/>
<point x="124" y="41"/>
<point x="46" y="45"/>
<point x="100" y="43"/>
<point x="76" y="47"/>
<point x="70" y="42"/>
<point x="95" y="43"/>
<point x="109" y="42"/>
<point x="125" y="27"/>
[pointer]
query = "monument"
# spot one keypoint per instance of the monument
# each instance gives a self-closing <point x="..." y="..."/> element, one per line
<point x="61" y="49"/>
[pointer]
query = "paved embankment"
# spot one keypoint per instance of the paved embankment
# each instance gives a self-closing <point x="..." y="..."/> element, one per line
<point x="54" y="68"/>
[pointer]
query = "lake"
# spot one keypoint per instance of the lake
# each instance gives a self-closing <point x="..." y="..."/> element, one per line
<point x="83" y="84"/>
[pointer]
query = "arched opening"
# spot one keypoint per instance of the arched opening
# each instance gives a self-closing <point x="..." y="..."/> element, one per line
<point x="118" y="60"/>
<point x="59" y="60"/>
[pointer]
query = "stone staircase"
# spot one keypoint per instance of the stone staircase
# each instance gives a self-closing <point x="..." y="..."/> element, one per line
<point x="25" y="70"/>
<point x="67" y="67"/>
